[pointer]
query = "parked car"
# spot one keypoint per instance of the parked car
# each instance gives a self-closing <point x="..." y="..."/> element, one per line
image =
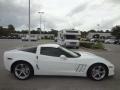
<point x="53" y="59"/>
<point x="93" y="40"/>
<point x="24" y="39"/>
<point x="110" y="41"/>
<point x="117" y="41"/>
<point x="3" y="37"/>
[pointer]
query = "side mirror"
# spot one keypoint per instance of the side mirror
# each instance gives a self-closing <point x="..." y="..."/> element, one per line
<point x="63" y="57"/>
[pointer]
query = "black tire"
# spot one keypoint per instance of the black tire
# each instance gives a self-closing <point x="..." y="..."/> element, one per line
<point x="22" y="70"/>
<point x="99" y="74"/>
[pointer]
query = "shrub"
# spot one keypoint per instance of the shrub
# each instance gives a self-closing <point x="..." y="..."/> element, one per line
<point x="86" y="44"/>
<point x="97" y="45"/>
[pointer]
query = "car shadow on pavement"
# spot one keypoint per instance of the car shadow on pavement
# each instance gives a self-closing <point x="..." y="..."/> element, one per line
<point x="53" y="77"/>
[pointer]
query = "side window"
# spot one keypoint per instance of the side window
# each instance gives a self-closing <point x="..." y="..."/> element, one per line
<point x="56" y="52"/>
<point x="31" y="50"/>
<point x="49" y="51"/>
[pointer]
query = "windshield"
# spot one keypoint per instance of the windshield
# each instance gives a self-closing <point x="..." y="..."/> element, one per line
<point x="74" y="54"/>
<point x="71" y="37"/>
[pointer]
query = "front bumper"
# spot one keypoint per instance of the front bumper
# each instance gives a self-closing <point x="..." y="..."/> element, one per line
<point x="111" y="70"/>
<point x="72" y="44"/>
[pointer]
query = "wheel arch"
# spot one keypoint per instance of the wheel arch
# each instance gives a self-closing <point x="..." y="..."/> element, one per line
<point x="12" y="66"/>
<point x="95" y="64"/>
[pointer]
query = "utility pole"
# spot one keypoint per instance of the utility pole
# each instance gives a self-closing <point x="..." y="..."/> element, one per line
<point x="98" y="26"/>
<point x="40" y="22"/>
<point x="44" y="24"/>
<point x="29" y="21"/>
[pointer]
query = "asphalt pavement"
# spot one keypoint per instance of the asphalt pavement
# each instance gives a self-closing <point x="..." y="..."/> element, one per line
<point x="9" y="82"/>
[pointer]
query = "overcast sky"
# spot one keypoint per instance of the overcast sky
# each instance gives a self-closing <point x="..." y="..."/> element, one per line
<point x="61" y="14"/>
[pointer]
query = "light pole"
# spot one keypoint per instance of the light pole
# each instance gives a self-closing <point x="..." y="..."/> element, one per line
<point x="40" y="22"/>
<point x="98" y="26"/>
<point x="29" y="21"/>
<point x="44" y="25"/>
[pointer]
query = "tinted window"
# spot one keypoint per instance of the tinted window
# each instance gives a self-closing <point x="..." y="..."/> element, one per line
<point x="50" y="51"/>
<point x="72" y="31"/>
<point x="71" y="37"/>
<point x="32" y="50"/>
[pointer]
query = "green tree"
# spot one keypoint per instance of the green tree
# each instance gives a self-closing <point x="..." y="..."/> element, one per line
<point x="84" y="34"/>
<point x="35" y="32"/>
<point x="92" y="31"/>
<point x="101" y="31"/>
<point x="24" y="31"/>
<point x="55" y="32"/>
<point x="116" y="31"/>
<point x="7" y="31"/>
<point x="11" y="28"/>
<point x="107" y="31"/>
<point x="1" y="30"/>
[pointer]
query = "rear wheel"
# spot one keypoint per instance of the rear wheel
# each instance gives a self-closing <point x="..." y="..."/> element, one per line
<point x="98" y="72"/>
<point x="22" y="71"/>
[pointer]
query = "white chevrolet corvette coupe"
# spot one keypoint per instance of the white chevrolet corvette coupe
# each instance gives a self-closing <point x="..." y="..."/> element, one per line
<point x="53" y="59"/>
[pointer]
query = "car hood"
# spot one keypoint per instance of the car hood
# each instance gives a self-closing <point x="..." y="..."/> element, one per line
<point x="10" y="51"/>
<point x="92" y="58"/>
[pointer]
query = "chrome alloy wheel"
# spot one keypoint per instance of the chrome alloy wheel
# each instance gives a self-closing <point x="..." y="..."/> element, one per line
<point x="22" y="71"/>
<point x="98" y="72"/>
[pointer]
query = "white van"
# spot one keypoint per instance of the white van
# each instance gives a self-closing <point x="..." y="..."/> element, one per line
<point x="69" y="38"/>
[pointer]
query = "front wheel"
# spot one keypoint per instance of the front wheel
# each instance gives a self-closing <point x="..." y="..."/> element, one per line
<point x="98" y="72"/>
<point x="22" y="71"/>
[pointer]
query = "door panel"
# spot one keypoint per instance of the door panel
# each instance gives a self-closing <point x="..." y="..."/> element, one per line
<point x="55" y="65"/>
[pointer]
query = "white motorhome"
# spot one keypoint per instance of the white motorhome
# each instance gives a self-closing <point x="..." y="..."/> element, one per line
<point x="69" y="38"/>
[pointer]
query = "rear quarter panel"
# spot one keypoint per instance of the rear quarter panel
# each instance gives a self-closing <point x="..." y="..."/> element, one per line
<point x="17" y="55"/>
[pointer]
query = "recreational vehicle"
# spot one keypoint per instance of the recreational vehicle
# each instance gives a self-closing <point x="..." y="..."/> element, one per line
<point x="69" y="38"/>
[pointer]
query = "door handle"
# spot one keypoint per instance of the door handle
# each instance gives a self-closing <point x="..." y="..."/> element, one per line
<point x="36" y="57"/>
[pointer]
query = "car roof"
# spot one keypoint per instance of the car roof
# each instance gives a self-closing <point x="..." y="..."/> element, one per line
<point x="49" y="45"/>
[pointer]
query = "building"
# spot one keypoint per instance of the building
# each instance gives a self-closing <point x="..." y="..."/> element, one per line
<point x="99" y="35"/>
<point x="42" y="36"/>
